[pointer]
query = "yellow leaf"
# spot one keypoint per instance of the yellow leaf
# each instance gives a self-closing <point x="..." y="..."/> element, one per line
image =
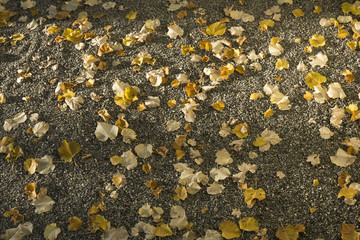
<point x="264" y="24"/>
<point x="348" y="232"/>
<point x="317" y="9"/>
<point x="249" y="224"/>
<point x="146" y="168"/>
<point x="131" y="15"/>
<point x="240" y="69"/>
<point x="163" y="231"/>
<point x="347" y="7"/>
<point x="187" y="49"/>
<point x="68" y="150"/>
<point x="74" y="224"/>
<point x="347" y="192"/>
<point x="74" y="36"/>
<point x="288" y="233"/>
<point x="312" y="210"/>
<point x="115" y="160"/>
<point x="30" y="190"/>
<point x="30" y="165"/>
<point x="260" y="141"/>
<point x="349" y="76"/>
<point x="352" y="45"/>
<point x="171" y="103"/>
<point x="317" y="41"/>
<point x="351" y="108"/>
<point x="98" y="222"/>
<point x="192" y="89"/>
<point x="205" y="44"/>
<point x="229" y="230"/>
<point x="313" y="79"/>
<point x="216" y="29"/>
<point x="342" y="33"/>
<point x="251" y="195"/>
<point x="298" y="12"/>
<point x="16" y="37"/>
<point x="180" y="193"/>
<point x="308" y="96"/>
<point x="315" y="182"/>
<point x="269" y="113"/>
<point x="53" y="29"/>
<point x="241" y="130"/>
<point x="219" y="105"/>
<point x="254" y="96"/>
<point x="226" y="71"/>
<point x="282" y="64"/>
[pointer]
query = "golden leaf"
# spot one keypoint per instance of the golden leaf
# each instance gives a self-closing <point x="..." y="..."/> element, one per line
<point x="342" y="33"/>
<point x="315" y="182"/>
<point x="30" y="165"/>
<point x="131" y="15"/>
<point x="30" y="190"/>
<point x="74" y="224"/>
<point x="187" y="49"/>
<point x="205" y="44"/>
<point x="251" y="195"/>
<point x="74" y="36"/>
<point x="268" y="113"/>
<point x="216" y="29"/>
<point x="163" y="231"/>
<point x="349" y="76"/>
<point x="313" y="79"/>
<point x="15" y="215"/>
<point x="352" y="45"/>
<point x="264" y="24"/>
<point x="347" y="192"/>
<point x="347" y="7"/>
<point x="182" y="14"/>
<point x="152" y="184"/>
<point x="146" y="168"/>
<point x="16" y="37"/>
<point x="288" y="233"/>
<point x="259" y="141"/>
<point x="96" y="207"/>
<point x="317" y="9"/>
<point x="180" y="193"/>
<point x="254" y="96"/>
<point x="240" y="69"/>
<point x="317" y="41"/>
<point x="249" y="224"/>
<point x="219" y="105"/>
<point x="68" y="150"/>
<point x="308" y="96"/>
<point x="241" y="130"/>
<point x="298" y="12"/>
<point x="115" y="160"/>
<point x="312" y="210"/>
<point x="343" y="179"/>
<point x="98" y="222"/>
<point x="192" y="89"/>
<point x="282" y="64"/>
<point x="229" y="230"/>
<point x="348" y="232"/>
<point x="226" y="71"/>
<point x="104" y="114"/>
<point x="171" y="103"/>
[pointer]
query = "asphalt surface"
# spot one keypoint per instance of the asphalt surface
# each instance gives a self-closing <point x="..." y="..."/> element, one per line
<point x="75" y="187"/>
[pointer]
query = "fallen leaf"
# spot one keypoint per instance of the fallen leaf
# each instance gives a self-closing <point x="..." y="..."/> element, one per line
<point x="74" y="224"/>
<point x="249" y="224"/>
<point x="229" y="230"/>
<point x="163" y="231"/>
<point x="104" y="131"/>
<point x="317" y="41"/>
<point x="216" y="29"/>
<point x="68" y="150"/>
<point x="251" y="195"/>
<point x="51" y="231"/>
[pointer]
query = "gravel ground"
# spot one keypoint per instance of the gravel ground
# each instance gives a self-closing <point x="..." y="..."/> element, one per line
<point x="75" y="187"/>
